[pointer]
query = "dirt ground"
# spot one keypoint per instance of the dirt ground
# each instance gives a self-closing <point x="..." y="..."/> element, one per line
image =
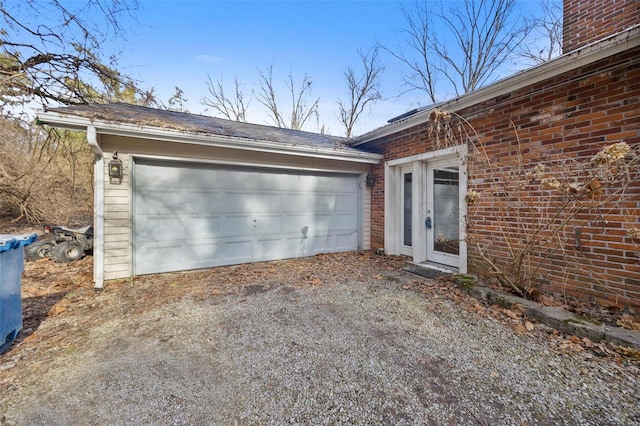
<point x="61" y="309"/>
<point x="65" y="292"/>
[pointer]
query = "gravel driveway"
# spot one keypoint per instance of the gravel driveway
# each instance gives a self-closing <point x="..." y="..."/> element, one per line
<point x="366" y="349"/>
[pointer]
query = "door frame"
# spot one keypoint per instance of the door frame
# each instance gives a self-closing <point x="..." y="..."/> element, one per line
<point x="394" y="170"/>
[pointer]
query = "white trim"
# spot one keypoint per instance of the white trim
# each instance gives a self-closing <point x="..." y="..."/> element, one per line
<point x="419" y="211"/>
<point x="361" y="188"/>
<point x="593" y="52"/>
<point x="98" y="210"/>
<point x="405" y="170"/>
<point x="392" y="201"/>
<point x="426" y="156"/>
<point x="244" y="164"/>
<point x="155" y="133"/>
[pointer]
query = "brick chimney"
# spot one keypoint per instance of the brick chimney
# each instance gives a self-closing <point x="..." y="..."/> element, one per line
<point x="587" y="21"/>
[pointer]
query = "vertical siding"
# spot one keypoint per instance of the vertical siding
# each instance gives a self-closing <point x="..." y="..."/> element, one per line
<point x="117" y="229"/>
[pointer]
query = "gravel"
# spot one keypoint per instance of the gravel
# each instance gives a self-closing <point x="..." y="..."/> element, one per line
<point x="366" y="352"/>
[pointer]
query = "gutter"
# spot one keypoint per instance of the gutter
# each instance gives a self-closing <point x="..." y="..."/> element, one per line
<point x="98" y="210"/>
<point x="588" y="54"/>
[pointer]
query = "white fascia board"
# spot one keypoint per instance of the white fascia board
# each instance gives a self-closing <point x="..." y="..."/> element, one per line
<point x="147" y="132"/>
<point x="245" y="164"/>
<point x="588" y="54"/>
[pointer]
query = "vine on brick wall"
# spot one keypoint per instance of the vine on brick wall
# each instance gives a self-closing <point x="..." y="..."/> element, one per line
<point x="528" y="213"/>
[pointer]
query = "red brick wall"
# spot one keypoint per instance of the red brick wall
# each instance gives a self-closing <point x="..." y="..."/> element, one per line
<point x="570" y="117"/>
<point x="587" y="21"/>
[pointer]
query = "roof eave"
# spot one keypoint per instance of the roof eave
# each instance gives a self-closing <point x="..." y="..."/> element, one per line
<point x="74" y="122"/>
<point x="593" y="52"/>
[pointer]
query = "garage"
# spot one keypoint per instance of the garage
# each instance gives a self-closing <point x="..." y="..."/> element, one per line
<point x="189" y="215"/>
<point x="175" y="191"/>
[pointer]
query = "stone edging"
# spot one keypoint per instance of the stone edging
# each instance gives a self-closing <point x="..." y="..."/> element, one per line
<point x="558" y="318"/>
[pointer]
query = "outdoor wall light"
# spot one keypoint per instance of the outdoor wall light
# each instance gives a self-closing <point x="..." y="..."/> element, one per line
<point x="115" y="169"/>
<point x="370" y="180"/>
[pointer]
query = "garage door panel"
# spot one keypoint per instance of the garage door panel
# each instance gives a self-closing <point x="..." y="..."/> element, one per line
<point x="159" y="255"/>
<point x="267" y="224"/>
<point x="238" y="250"/>
<point x="272" y="248"/>
<point x="176" y="227"/>
<point x="148" y="177"/>
<point x="264" y="201"/>
<point x="322" y="243"/>
<point x="201" y="201"/>
<point x="189" y="216"/>
<point x="344" y="221"/>
<point x="235" y="225"/>
<point x="159" y="201"/>
<point x="233" y="201"/>
<point x="345" y="203"/>
<point x="346" y="240"/>
<point x="205" y="249"/>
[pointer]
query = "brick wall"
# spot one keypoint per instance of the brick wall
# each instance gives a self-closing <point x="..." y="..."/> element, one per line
<point x="569" y="117"/>
<point x="587" y="21"/>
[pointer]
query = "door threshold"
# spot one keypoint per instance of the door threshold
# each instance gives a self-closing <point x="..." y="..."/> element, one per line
<point x="430" y="269"/>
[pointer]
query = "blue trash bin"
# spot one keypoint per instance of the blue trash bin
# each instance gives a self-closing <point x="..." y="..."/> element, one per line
<point x="11" y="267"/>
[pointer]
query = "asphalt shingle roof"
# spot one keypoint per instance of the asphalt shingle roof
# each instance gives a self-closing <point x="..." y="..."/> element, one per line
<point x="122" y="113"/>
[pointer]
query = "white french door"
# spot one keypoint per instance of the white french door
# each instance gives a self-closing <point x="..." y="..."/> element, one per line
<point x="425" y="208"/>
<point x="443" y="216"/>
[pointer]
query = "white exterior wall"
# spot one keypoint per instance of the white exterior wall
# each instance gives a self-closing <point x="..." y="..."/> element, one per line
<point x="117" y="221"/>
<point x="118" y="196"/>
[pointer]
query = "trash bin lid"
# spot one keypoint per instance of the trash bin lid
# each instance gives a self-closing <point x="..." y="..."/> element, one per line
<point x="9" y="241"/>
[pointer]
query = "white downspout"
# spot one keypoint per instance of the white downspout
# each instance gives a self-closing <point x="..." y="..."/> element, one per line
<point x="98" y="208"/>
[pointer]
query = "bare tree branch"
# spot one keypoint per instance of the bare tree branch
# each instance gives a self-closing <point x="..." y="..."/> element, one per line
<point x="416" y="57"/>
<point x="545" y="42"/>
<point x="301" y="111"/>
<point x="232" y="108"/>
<point x="465" y="45"/>
<point x="364" y="89"/>
<point x="267" y="97"/>
<point x="177" y="101"/>
<point x="50" y="51"/>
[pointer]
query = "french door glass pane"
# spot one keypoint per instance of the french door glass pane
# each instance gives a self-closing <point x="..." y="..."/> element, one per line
<point x="446" y="231"/>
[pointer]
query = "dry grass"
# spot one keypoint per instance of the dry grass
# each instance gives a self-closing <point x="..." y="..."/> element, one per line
<point x="44" y="178"/>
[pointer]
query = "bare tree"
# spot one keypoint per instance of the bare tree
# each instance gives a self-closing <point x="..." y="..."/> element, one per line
<point x="464" y="45"/>
<point x="364" y="89"/>
<point x="545" y="41"/>
<point x="232" y="108"/>
<point x="177" y="101"/>
<point x="49" y="50"/>
<point x="301" y="110"/>
<point x="415" y="52"/>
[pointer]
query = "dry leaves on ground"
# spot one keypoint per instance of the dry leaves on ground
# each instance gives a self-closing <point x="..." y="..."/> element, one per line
<point x="66" y="292"/>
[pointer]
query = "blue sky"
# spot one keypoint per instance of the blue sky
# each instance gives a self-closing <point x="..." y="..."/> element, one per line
<point x="178" y="43"/>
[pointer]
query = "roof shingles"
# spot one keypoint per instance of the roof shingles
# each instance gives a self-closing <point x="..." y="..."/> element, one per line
<point x="122" y="113"/>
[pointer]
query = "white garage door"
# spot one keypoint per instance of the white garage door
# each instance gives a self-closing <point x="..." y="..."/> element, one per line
<point x="191" y="216"/>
